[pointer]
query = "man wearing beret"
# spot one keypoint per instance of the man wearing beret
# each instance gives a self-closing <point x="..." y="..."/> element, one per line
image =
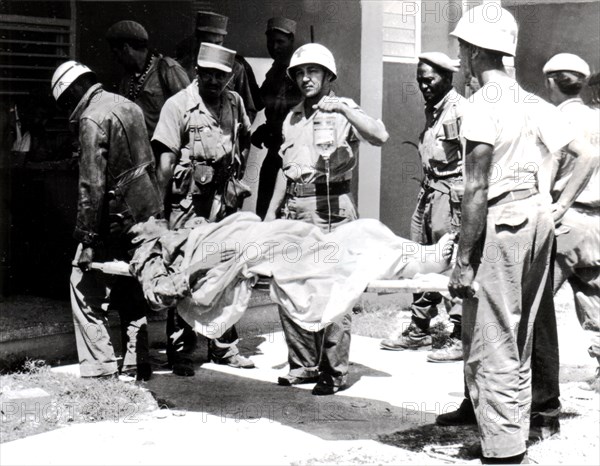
<point x="212" y="28"/>
<point x="578" y="236"/>
<point x="203" y="138"/>
<point x="279" y="94"/>
<point x="441" y="156"/>
<point x="151" y="78"/>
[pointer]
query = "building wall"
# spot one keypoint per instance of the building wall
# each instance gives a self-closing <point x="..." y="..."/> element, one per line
<point x="336" y="24"/>
<point x="548" y="28"/>
<point x="167" y="23"/>
<point x="404" y="117"/>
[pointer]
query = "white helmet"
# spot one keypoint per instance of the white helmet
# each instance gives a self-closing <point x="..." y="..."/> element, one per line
<point x="490" y="27"/>
<point x="567" y="62"/>
<point x="313" y="53"/>
<point x="64" y="76"/>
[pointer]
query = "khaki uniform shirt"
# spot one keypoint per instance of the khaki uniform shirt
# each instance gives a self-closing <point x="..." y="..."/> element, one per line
<point x="301" y="160"/>
<point x="189" y="130"/>
<point x="522" y="129"/>
<point x="442" y="156"/>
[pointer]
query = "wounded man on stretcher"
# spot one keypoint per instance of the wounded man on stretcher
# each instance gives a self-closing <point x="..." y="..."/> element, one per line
<point x="209" y="269"/>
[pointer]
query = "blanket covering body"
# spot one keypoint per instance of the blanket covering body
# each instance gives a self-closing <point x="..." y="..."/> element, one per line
<point x="316" y="277"/>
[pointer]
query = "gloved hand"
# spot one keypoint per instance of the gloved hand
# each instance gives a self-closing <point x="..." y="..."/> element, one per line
<point x="260" y="136"/>
<point x="85" y="258"/>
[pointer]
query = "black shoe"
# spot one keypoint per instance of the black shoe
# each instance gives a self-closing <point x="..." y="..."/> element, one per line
<point x="237" y="360"/>
<point x="463" y="416"/>
<point x="328" y="385"/>
<point x="142" y="371"/>
<point x="113" y="376"/>
<point x="517" y="459"/>
<point x="289" y="380"/>
<point x="184" y="369"/>
<point x="543" y="427"/>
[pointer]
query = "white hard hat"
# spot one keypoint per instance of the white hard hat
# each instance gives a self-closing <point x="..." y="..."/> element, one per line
<point x="490" y="27"/>
<point x="64" y="76"/>
<point x="313" y="53"/>
<point x="567" y="62"/>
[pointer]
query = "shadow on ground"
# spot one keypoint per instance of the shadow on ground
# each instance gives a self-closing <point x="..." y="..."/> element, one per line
<point x="455" y="442"/>
<point x="238" y="399"/>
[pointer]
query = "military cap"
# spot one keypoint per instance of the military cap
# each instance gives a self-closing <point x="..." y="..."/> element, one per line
<point x="567" y="62"/>
<point x="208" y="21"/>
<point x="440" y="60"/>
<point x="282" y="24"/>
<point x="126" y="30"/>
<point x="215" y="56"/>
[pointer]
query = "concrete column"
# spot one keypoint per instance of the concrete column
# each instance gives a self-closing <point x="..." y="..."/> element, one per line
<point x="371" y="96"/>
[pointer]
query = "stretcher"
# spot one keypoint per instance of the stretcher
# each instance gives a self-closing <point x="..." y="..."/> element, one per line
<point x="404" y="285"/>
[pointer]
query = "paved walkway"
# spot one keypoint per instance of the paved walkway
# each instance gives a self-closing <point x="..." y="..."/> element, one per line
<point x="231" y="416"/>
<point x="254" y="421"/>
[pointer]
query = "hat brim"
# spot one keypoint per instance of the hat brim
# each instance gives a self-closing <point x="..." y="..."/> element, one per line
<point x="223" y="32"/>
<point x="213" y="65"/>
<point x="290" y="71"/>
<point x="451" y="69"/>
<point x="275" y="28"/>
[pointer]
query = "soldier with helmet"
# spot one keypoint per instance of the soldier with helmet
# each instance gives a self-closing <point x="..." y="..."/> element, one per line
<point x="578" y="244"/>
<point x="506" y="234"/>
<point x="313" y="186"/>
<point x="117" y="189"/>
<point x="203" y="138"/>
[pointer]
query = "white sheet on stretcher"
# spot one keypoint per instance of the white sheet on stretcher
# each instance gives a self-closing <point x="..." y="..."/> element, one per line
<point x="316" y="277"/>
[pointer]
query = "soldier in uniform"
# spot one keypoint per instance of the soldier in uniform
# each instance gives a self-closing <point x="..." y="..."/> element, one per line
<point x="313" y="186"/>
<point x="506" y="235"/>
<point x="212" y="28"/>
<point x="441" y="155"/>
<point x="117" y="189"/>
<point x="150" y="78"/>
<point x="279" y="94"/>
<point x="578" y="239"/>
<point x="203" y="137"/>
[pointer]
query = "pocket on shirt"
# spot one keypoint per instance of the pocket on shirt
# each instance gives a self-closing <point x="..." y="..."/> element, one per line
<point x="510" y="217"/>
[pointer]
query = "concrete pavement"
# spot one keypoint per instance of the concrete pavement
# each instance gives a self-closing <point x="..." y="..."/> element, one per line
<point x="231" y="416"/>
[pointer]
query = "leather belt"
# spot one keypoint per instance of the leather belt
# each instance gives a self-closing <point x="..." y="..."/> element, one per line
<point x="512" y="196"/>
<point x="317" y="189"/>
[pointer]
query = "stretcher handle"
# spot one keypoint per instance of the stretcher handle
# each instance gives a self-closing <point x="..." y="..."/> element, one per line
<point x="405" y="285"/>
<point x="110" y="268"/>
<point x="409" y="285"/>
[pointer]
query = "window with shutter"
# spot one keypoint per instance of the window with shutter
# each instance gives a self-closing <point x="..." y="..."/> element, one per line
<point x="401" y="31"/>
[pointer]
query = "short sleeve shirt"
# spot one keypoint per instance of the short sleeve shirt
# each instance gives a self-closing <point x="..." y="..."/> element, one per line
<point x="523" y="129"/>
<point x="301" y="161"/>
<point x="587" y="121"/>
<point x="189" y="130"/>
<point x="442" y="157"/>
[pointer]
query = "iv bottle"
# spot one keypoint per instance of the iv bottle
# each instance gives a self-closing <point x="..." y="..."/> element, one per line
<point x="324" y="134"/>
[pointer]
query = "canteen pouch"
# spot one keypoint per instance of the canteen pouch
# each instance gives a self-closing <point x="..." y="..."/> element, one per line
<point x="203" y="174"/>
